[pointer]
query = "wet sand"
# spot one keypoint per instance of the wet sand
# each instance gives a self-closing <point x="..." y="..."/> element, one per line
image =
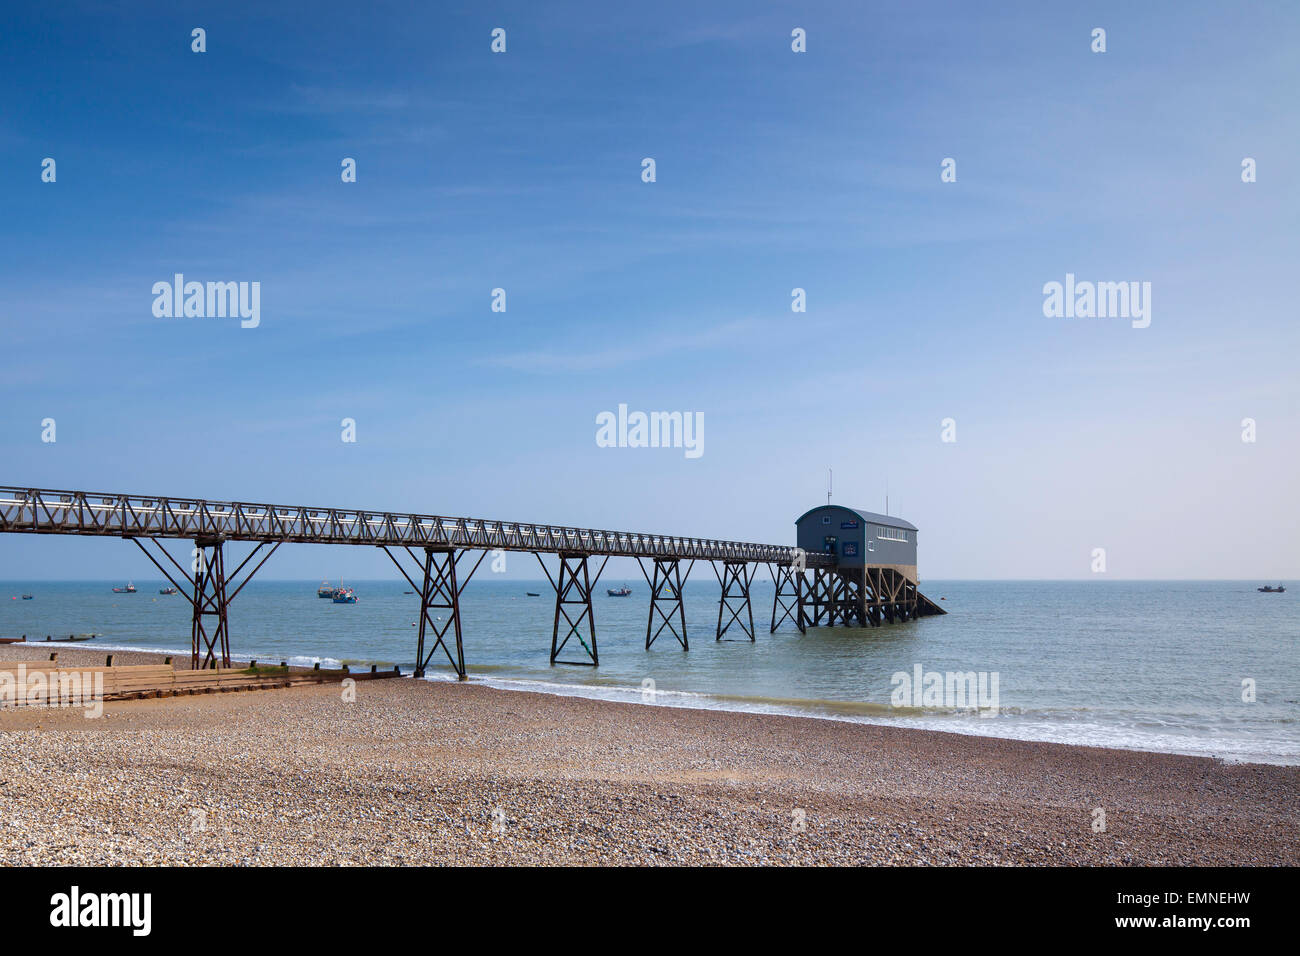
<point x="413" y="772"/>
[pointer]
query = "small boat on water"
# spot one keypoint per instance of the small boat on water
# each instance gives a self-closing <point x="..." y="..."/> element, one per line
<point x="345" y="596"/>
<point x="167" y="591"/>
<point x="1269" y="589"/>
<point x="129" y="589"/>
<point x="624" y="591"/>
<point x="27" y="597"/>
<point x="532" y="594"/>
<point x="326" y="590"/>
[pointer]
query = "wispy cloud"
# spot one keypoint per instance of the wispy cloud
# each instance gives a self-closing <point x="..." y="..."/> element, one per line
<point x="727" y="335"/>
<point x="343" y="99"/>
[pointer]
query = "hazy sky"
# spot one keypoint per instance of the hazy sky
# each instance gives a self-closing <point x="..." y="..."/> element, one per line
<point x="775" y="170"/>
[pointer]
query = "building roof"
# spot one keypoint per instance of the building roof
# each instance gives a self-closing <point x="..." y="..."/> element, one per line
<point x="889" y="521"/>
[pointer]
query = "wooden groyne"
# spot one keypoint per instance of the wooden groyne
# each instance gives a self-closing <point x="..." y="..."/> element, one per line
<point x="46" y="683"/>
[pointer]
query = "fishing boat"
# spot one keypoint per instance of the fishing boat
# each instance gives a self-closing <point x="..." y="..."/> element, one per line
<point x="27" y="597"/>
<point x="624" y="591"/>
<point x="1269" y="589"/>
<point x="345" y="596"/>
<point x="129" y="589"/>
<point x="326" y="590"/>
<point x="166" y="590"/>
<point x="532" y="594"/>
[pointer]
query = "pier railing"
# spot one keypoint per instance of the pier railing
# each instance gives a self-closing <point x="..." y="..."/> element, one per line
<point x="110" y="514"/>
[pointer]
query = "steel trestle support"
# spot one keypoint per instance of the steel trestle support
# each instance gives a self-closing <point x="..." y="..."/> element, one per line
<point x="866" y="597"/>
<point x="666" y="600"/>
<point x="735" y="579"/>
<point x="573" y="586"/>
<point x="439" y="590"/>
<point x="788" y="597"/>
<point x="210" y="596"/>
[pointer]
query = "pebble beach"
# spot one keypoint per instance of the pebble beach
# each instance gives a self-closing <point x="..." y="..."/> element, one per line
<point x="416" y="772"/>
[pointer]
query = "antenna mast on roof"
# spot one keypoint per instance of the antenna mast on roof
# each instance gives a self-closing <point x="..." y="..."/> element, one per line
<point x="830" y="482"/>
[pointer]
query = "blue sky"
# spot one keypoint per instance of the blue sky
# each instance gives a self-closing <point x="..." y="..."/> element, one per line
<point x="775" y="170"/>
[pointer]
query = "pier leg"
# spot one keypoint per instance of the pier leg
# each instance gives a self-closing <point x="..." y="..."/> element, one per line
<point x="909" y="600"/>
<point x="853" y="597"/>
<point x="573" y="586"/>
<point x="899" y="596"/>
<point x="211" y="595"/>
<point x="735" y="579"/>
<point x="824" y="597"/>
<point x="871" y="587"/>
<point x="788" y="597"/>
<point x="884" y="596"/>
<point x="209" y="601"/>
<point x="808" y="607"/>
<point x="840" y="603"/>
<point x="440" y="590"/>
<point x="666" y="600"/>
<point x="839" y="597"/>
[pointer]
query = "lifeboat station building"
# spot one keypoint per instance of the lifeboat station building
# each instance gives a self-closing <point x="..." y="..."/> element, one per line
<point x="871" y="576"/>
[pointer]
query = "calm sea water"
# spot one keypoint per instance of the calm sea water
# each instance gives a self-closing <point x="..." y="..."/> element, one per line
<point x="1144" y="665"/>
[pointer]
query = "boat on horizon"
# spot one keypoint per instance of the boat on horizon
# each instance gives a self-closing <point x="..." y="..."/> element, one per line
<point x="532" y="594"/>
<point x="27" y="597"/>
<point x="345" y="596"/>
<point x="129" y="589"/>
<point x="167" y="591"/>
<point x="1269" y="589"/>
<point x="326" y="590"/>
<point x="624" y="591"/>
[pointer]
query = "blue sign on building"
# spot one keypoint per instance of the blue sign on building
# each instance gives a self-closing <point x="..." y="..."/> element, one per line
<point x="849" y="524"/>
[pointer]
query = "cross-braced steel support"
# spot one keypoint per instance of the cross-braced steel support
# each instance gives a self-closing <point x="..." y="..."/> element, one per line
<point x="735" y="579"/>
<point x="867" y="597"/>
<point x="210" y="600"/>
<point x="788" y="597"/>
<point x="211" y="597"/>
<point x="666" y="600"/>
<point x="815" y="603"/>
<point x="838" y="597"/>
<point x="893" y="598"/>
<point x="439" y="591"/>
<point x="573" y="586"/>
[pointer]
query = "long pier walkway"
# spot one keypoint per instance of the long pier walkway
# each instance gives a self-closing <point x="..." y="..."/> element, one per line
<point x="435" y="555"/>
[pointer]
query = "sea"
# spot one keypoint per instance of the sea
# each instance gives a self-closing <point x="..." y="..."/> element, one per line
<point x="1209" y="668"/>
